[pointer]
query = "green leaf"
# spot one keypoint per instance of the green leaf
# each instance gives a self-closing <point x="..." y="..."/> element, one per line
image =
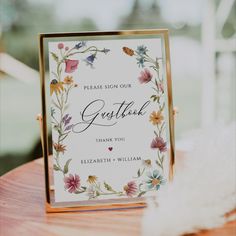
<point x="162" y="159"/>
<point x="54" y="103"/>
<point x="66" y="166"/>
<point x="108" y="187"/>
<point x="59" y="131"/>
<point x="139" y="173"/>
<point x="140" y="185"/>
<point x="54" y="56"/>
<point x="78" y="192"/>
<point x="156" y="133"/>
<point x="156" y="83"/>
<point x="61" y="139"/>
<point x="158" y="163"/>
<point x="56" y="168"/>
<point x="155" y="98"/>
<point x="141" y="194"/>
<point x="52" y="111"/>
<point x="163" y="106"/>
<point x="155" y="89"/>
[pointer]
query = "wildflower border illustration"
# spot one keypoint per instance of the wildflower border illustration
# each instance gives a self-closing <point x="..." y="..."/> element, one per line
<point x="60" y="89"/>
<point x="150" y="65"/>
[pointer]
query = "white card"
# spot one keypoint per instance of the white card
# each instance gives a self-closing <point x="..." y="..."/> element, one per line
<point x="109" y="118"/>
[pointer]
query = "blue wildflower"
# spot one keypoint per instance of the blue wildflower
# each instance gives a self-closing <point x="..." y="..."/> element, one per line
<point x="106" y="50"/>
<point x="52" y="111"/>
<point x="90" y="59"/>
<point x="155" y="180"/>
<point x="141" y="50"/>
<point x="140" y="61"/>
<point x="80" y="45"/>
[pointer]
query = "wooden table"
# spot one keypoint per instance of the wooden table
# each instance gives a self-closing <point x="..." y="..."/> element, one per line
<point x="22" y="211"/>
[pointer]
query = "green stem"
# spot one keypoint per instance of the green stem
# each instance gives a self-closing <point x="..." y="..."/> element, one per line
<point x="112" y="193"/>
<point x="161" y="129"/>
<point x="58" y="164"/>
<point x="57" y="123"/>
<point x="58" y="101"/>
<point x="149" y="59"/>
<point x="159" y="160"/>
<point x="61" y="139"/>
<point x="87" y="49"/>
<point x="58" y="70"/>
<point x="61" y="53"/>
<point x="67" y="93"/>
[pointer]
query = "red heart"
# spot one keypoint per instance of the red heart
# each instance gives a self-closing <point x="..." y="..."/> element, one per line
<point x="110" y="149"/>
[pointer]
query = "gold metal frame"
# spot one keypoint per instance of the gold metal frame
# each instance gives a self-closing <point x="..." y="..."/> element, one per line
<point x="43" y="118"/>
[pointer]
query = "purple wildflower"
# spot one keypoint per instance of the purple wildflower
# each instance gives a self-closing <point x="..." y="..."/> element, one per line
<point x="131" y="189"/>
<point x="68" y="127"/>
<point x="66" y="119"/>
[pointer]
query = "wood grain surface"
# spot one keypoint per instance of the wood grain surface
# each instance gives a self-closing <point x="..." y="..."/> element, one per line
<point x="22" y="212"/>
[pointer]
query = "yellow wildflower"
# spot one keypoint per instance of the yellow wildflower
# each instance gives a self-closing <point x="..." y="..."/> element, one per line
<point x="147" y="162"/>
<point x="56" y="87"/>
<point x="92" y="179"/>
<point x="68" y="80"/>
<point x="156" y="117"/>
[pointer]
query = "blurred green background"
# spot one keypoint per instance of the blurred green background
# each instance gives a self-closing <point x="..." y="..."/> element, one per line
<point x="194" y="26"/>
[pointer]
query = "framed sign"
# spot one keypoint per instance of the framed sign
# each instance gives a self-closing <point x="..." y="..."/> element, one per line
<point x="107" y="117"/>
